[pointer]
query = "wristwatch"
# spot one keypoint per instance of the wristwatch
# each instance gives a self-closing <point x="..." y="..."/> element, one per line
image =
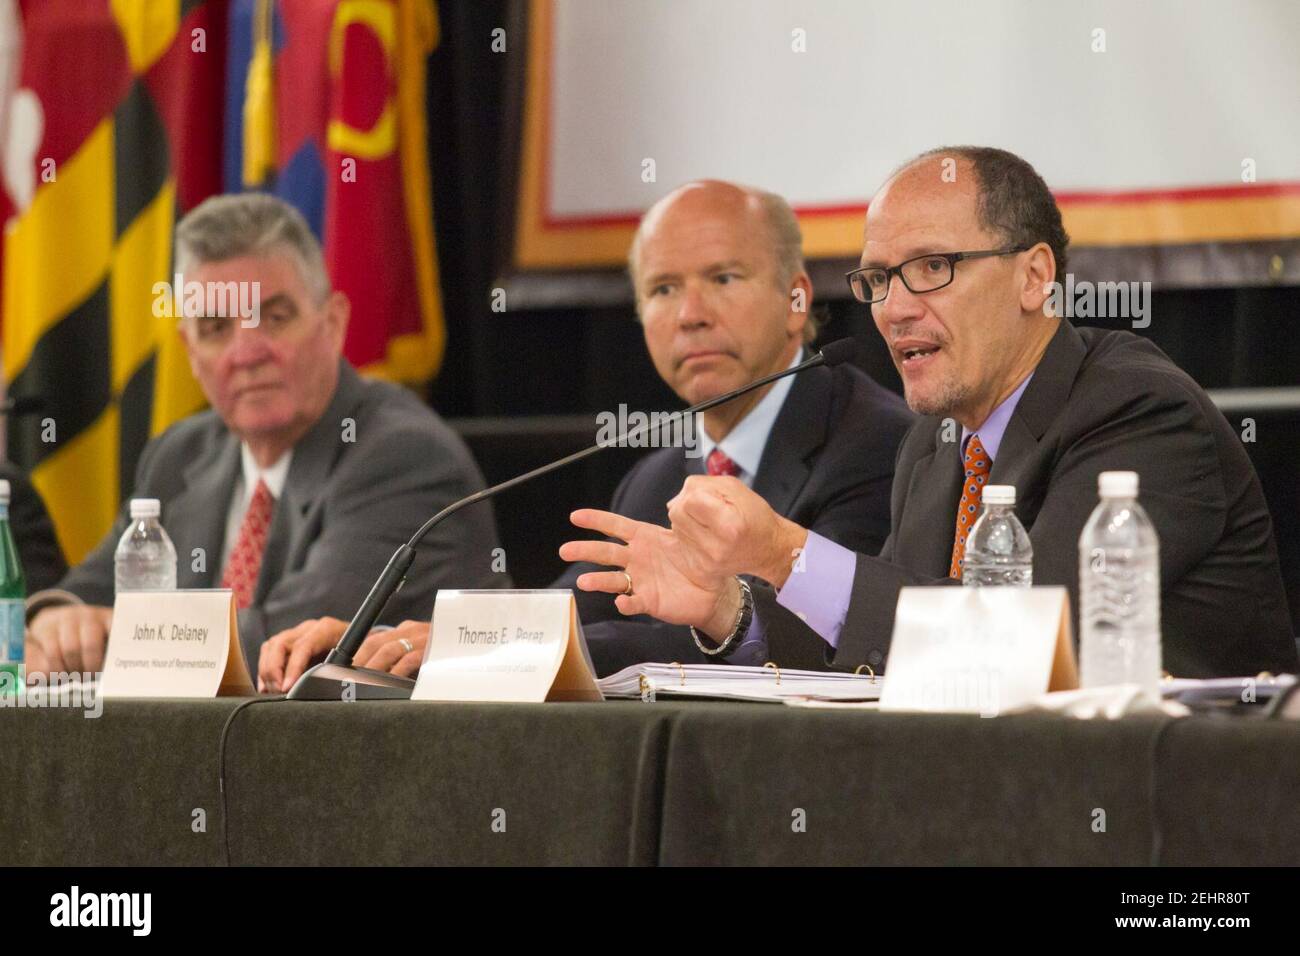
<point x="738" y="630"/>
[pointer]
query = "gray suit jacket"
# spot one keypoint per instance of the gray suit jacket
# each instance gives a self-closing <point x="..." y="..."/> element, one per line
<point x="1098" y="401"/>
<point x="345" y="508"/>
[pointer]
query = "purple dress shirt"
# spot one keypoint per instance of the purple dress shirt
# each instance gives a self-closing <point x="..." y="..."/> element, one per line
<point x="819" y="588"/>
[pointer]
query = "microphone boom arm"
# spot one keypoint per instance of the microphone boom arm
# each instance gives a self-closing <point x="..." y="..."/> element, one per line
<point x="339" y="660"/>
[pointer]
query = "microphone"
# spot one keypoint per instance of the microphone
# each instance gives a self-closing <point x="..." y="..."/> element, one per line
<point x="327" y="680"/>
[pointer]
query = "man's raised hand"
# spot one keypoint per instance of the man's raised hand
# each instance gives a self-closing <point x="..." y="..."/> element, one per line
<point x="668" y="581"/>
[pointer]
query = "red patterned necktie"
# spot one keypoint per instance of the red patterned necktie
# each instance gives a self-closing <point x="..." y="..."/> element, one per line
<point x="977" y="465"/>
<point x="719" y="464"/>
<point x="245" y="559"/>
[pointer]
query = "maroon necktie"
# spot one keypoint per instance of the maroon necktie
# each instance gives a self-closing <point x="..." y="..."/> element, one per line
<point x="719" y="464"/>
<point x="245" y="559"/>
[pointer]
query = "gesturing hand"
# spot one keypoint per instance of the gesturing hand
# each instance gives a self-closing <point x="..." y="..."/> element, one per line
<point x="729" y="529"/>
<point x="669" y="582"/>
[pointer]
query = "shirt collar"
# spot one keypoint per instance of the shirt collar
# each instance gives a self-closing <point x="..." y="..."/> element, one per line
<point x="995" y="426"/>
<point x="745" y="442"/>
<point x="275" y="476"/>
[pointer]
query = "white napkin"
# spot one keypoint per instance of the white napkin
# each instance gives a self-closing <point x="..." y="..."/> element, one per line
<point x="1112" y="702"/>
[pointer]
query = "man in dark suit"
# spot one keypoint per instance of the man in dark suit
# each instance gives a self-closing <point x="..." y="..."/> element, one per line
<point x="303" y="478"/>
<point x="723" y="298"/>
<point x="958" y="270"/>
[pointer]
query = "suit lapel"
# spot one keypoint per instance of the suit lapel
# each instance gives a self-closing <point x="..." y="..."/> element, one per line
<point x="691" y="466"/>
<point x="928" y="524"/>
<point x="1049" y="390"/>
<point x="196" y="518"/>
<point x="1017" y="448"/>
<point x="796" y="435"/>
<point x="1047" y="393"/>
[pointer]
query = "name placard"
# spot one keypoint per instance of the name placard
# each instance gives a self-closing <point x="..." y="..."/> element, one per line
<point x="181" y="643"/>
<point x="506" y="646"/>
<point x="978" y="650"/>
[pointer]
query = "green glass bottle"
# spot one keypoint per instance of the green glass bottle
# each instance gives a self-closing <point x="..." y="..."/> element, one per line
<point x="13" y="599"/>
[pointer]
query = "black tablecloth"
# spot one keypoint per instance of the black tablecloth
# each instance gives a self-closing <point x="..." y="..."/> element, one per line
<point x="631" y="783"/>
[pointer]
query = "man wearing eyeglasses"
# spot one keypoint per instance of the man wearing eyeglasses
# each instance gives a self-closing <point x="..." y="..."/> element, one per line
<point x="303" y="478"/>
<point x="957" y="272"/>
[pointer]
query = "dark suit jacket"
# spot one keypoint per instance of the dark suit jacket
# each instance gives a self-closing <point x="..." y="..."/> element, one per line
<point x="1098" y="401"/>
<point x="38" y="548"/>
<point x="346" y="507"/>
<point x="828" y="464"/>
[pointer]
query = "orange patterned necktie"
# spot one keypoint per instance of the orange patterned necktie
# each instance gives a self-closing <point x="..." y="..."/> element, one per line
<point x="245" y="559"/>
<point x="719" y="464"/>
<point x="972" y="493"/>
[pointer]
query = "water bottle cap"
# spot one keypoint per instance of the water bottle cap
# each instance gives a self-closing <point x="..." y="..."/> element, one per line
<point x="999" y="495"/>
<point x="145" y="508"/>
<point x="4" y="492"/>
<point x="1118" y="484"/>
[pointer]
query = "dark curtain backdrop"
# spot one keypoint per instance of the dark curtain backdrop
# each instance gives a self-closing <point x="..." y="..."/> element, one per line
<point x="524" y="385"/>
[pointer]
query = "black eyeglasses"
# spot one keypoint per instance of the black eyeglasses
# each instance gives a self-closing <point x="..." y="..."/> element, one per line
<point x="925" y="273"/>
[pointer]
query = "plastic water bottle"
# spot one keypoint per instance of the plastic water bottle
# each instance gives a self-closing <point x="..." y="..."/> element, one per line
<point x="998" y="549"/>
<point x="145" y="558"/>
<point x="13" y="594"/>
<point x="1119" y="590"/>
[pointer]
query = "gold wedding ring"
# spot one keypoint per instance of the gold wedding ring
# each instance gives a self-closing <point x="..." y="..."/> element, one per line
<point x="628" y="590"/>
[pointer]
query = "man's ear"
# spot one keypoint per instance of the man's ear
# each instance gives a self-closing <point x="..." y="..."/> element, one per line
<point x="800" y="304"/>
<point x="1040" y="273"/>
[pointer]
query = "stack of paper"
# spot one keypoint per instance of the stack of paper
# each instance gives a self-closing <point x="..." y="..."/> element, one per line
<point x="651" y="681"/>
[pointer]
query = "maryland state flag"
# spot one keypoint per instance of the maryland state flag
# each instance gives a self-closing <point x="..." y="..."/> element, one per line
<point x="117" y="117"/>
<point x="325" y="107"/>
<point x="111" y="125"/>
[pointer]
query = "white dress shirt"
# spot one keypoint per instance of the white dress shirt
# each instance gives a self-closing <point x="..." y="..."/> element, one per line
<point x="745" y="442"/>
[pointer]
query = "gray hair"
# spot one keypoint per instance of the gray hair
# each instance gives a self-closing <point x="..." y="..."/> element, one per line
<point x="242" y="224"/>
<point x="785" y="235"/>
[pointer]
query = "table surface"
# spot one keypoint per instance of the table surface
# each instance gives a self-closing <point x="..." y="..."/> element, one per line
<point x="209" y="782"/>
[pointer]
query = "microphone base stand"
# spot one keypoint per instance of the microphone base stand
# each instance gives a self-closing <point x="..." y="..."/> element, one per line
<point x="337" y="678"/>
<point x="326" y="681"/>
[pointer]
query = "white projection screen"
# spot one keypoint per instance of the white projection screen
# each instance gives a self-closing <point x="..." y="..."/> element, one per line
<point x="1160" y="123"/>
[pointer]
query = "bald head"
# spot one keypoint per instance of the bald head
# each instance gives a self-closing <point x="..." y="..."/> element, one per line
<point x="920" y="208"/>
<point x="1010" y="199"/>
<point x="720" y="288"/>
<point x="764" y="212"/>
<point x="978" y="232"/>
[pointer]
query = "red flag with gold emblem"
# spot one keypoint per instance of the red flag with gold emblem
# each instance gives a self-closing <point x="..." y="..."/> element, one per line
<point x="326" y="108"/>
